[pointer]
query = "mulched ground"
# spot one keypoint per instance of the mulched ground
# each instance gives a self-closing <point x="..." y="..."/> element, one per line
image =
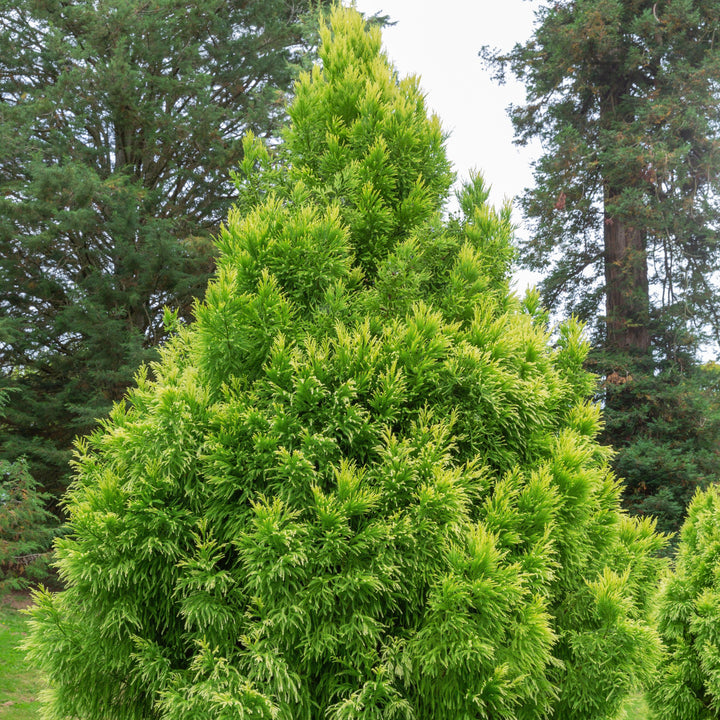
<point x="17" y="600"/>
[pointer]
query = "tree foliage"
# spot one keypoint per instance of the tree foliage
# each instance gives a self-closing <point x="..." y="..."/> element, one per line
<point x="27" y="529"/>
<point x="363" y="483"/>
<point x="119" y="120"/>
<point x="687" y="685"/>
<point x="665" y="427"/>
<point x="624" y="96"/>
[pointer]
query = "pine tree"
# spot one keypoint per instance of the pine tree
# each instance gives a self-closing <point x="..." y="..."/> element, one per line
<point x="687" y="685"/>
<point x="363" y="483"/>
<point x="119" y="123"/>
<point x="624" y="96"/>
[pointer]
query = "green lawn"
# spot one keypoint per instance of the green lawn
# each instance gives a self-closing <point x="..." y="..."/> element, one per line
<point x="18" y="684"/>
<point x="636" y="708"/>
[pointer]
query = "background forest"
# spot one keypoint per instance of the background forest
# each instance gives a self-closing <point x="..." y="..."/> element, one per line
<point x="120" y="125"/>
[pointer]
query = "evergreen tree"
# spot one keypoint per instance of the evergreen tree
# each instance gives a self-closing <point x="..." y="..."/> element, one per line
<point x="363" y="483"/>
<point x="687" y="685"/>
<point x="665" y="428"/>
<point x="26" y="528"/>
<point x="624" y="96"/>
<point x="119" y="121"/>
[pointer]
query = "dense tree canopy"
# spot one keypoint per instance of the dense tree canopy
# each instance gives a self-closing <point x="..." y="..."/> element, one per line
<point x="665" y="428"/>
<point x="26" y="528"/>
<point x="625" y="96"/>
<point x="119" y="123"/>
<point x="363" y="483"/>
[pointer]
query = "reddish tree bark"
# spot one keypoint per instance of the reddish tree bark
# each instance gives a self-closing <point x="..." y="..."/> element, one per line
<point x="627" y="295"/>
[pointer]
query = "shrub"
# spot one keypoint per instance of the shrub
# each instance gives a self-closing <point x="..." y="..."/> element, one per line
<point x="363" y="483"/>
<point x="687" y="685"/>
<point x="27" y="529"/>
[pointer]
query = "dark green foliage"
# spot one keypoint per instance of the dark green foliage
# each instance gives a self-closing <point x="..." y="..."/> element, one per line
<point x="363" y="483"/>
<point x="119" y="120"/>
<point x="27" y="529"/>
<point x="624" y="96"/>
<point x="687" y="686"/>
<point x="664" y="427"/>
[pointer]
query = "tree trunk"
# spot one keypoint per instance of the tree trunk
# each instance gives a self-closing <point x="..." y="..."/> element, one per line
<point x="626" y="287"/>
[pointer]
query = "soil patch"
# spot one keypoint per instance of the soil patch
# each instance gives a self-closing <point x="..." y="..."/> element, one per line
<point x="18" y="600"/>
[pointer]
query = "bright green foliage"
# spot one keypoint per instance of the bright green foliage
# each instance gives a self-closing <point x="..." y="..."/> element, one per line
<point x="687" y="686"/>
<point x="119" y="120"/>
<point x="363" y="483"/>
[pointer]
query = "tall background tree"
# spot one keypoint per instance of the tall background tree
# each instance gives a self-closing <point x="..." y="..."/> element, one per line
<point x="625" y="97"/>
<point x="119" y="122"/>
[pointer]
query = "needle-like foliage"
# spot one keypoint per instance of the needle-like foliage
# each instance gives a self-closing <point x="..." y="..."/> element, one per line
<point x="119" y="120"/>
<point x="363" y="483"/>
<point x="624" y="97"/>
<point x="687" y="686"/>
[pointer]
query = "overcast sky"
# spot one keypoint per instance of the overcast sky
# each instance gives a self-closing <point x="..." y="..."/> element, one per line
<point x="440" y="43"/>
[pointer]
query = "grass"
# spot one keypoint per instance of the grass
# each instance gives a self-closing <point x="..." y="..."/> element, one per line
<point x="19" y="685"/>
<point x="636" y="708"/>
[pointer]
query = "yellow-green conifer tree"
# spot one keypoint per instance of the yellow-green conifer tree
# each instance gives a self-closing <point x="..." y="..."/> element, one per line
<point x="687" y="683"/>
<point x="364" y="483"/>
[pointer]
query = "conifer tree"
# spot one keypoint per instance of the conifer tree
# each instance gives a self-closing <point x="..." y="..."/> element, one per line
<point x="623" y="95"/>
<point x="27" y="529"/>
<point x="664" y="426"/>
<point x="119" y="120"/>
<point x="363" y="483"/>
<point x="687" y="685"/>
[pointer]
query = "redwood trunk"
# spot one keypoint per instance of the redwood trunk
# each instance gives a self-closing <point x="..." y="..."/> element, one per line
<point x="626" y="282"/>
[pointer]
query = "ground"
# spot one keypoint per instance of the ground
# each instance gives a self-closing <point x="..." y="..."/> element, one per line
<point x="19" y="686"/>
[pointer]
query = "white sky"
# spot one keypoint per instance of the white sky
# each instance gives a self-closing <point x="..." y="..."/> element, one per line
<point x="440" y="43"/>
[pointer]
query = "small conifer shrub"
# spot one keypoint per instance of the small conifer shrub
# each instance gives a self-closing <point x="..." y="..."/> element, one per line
<point x="364" y="484"/>
<point x="687" y="685"/>
<point x="27" y="529"/>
